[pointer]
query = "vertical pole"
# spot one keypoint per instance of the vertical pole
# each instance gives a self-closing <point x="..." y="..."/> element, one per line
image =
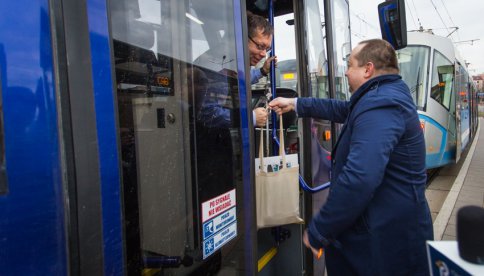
<point x="328" y="20"/>
<point x="275" y="148"/>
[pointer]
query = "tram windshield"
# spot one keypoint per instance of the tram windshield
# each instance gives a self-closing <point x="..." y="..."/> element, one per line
<point x="409" y="59"/>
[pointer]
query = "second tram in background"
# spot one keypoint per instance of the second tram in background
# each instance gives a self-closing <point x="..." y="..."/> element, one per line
<point x="444" y="93"/>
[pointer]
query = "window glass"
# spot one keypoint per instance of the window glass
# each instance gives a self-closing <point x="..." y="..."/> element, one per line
<point x="342" y="46"/>
<point x="442" y="79"/>
<point x="318" y="68"/>
<point x="317" y="56"/>
<point x="177" y="91"/>
<point x="286" y="51"/>
<point x="409" y="59"/>
<point x="461" y="85"/>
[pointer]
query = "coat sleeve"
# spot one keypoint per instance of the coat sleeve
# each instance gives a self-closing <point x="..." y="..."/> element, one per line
<point x="333" y="110"/>
<point x="374" y="134"/>
<point x="255" y="75"/>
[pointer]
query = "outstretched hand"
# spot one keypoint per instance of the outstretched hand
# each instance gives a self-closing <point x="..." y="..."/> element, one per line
<point x="282" y="105"/>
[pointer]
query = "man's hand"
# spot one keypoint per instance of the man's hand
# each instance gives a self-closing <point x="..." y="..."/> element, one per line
<point x="282" y="105"/>
<point x="267" y="64"/>
<point x="308" y="245"/>
<point x="260" y="116"/>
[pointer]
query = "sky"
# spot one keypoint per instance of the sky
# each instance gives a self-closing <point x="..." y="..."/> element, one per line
<point x="439" y="15"/>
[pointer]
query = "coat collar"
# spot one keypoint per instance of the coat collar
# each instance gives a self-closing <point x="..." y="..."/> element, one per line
<point x="370" y="85"/>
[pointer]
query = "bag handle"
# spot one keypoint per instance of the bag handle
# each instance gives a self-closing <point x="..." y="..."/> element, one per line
<point x="282" y="152"/>
<point x="261" y="151"/>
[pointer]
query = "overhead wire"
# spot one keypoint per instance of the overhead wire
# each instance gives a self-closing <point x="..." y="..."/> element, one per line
<point x="416" y="13"/>
<point x="438" y="13"/>
<point x="447" y="11"/>
<point x="366" y="22"/>
<point x="361" y="36"/>
<point x="363" y="21"/>
<point x="411" y="14"/>
<point x="451" y="21"/>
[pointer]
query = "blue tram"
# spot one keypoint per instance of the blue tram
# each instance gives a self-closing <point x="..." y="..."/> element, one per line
<point x="108" y="164"/>
<point x="444" y="93"/>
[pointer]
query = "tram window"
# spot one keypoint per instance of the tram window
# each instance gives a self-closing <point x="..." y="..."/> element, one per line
<point x="317" y="59"/>
<point x="315" y="24"/>
<point x="284" y="35"/>
<point x="177" y="90"/>
<point x="342" y="38"/>
<point x="442" y="79"/>
<point x="462" y="88"/>
<point x="410" y="58"/>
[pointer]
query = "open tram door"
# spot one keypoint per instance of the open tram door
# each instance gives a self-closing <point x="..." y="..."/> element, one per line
<point x="312" y="42"/>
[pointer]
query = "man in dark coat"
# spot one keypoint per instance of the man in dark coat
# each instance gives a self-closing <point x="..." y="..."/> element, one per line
<point x="376" y="218"/>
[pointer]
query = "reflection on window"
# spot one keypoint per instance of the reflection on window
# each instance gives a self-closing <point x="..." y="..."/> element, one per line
<point x="461" y="85"/>
<point x="317" y="59"/>
<point x="442" y="79"/>
<point x="177" y="92"/>
<point x="342" y="46"/>
<point x="413" y="63"/>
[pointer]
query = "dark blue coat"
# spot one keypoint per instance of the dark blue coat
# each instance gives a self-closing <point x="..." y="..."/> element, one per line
<point x="376" y="218"/>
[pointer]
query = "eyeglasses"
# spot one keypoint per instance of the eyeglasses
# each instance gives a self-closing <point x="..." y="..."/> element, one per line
<point x="259" y="46"/>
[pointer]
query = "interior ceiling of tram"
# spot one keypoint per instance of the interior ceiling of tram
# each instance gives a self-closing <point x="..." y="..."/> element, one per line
<point x="261" y="7"/>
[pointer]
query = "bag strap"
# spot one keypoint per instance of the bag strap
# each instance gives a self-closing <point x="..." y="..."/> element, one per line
<point x="261" y="149"/>
<point x="282" y="152"/>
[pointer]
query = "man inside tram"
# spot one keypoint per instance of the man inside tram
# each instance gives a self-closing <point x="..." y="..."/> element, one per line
<point x="260" y="40"/>
<point x="215" y="77"/>
<point x="376" y="219"/>
<point x="259" y="44"/>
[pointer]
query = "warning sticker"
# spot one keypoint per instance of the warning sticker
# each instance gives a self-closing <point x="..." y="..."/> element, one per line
<point x="217" y="205"/>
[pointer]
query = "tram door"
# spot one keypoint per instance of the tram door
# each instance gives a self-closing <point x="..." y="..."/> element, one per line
<point x="178" y="104"/>
<point x="32" y="239"/>
<point x="462" y="108"/>
<point x="152" y="126"/>
<point x="329" y="45"/>
<point x="302" y="33"/>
